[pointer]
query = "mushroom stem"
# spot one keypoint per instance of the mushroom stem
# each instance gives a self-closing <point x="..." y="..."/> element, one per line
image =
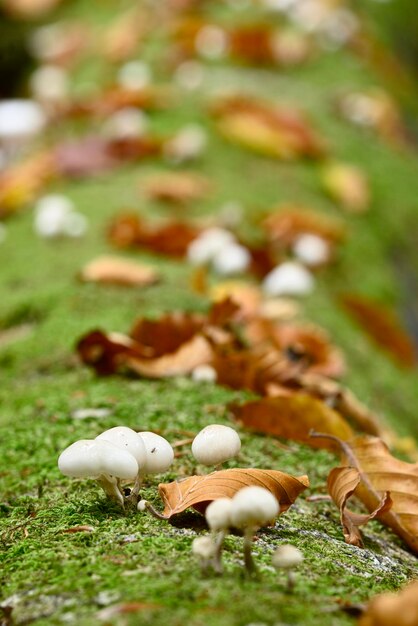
<point x="110" y="486"/>
<point x="291" y="580"/>
<point x="217" y="558"/>
<point x="248" y="559"/>
<point x="138" y="483"/>
<point x="147" y="505"/>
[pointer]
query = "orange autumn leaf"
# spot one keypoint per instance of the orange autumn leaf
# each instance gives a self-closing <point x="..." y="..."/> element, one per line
<point x="117" y="271"/>
<point x="387" y="609"/>
<point x="342" y="483"/>
<point x="292" y="417"/>
<point x="348" y="186"/>
<point x="380" y="472"/>
<point x="199" y="491"/>
<point x="279" y="132"/>
<point x="285" y="224"/>
<point x="170" y="238"/>
<point x="177" y="187"/>
<point x="383" y="326"/>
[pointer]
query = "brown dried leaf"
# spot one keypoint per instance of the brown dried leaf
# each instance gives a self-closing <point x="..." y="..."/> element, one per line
<point x="289" y="221"/>
<point x="84" y="157"/>
<point x="171" y="238"/>
<point x="272" y="131"/>
<point x="122" y="38"/>
<point x="21" y="183"/>
<point x="342" y="483"/>
<point x="117" y="271"/>
<point x="167" y="333"/>
<point x="177" y="187"/>
<point x="246" y="295"/>
<point x="105" y="353"/>
<point x="306" y="344"/>
<point x="348" y="186"/>
<point x="30" y="9"/>
<point x="292" y="417"/>
<point x="199" y="491"/>
<point x="383" y="326"/>
<point x="260" y="44"/>
<point x="387" y="609"/>
<point x="380" y="472"/>
<point x="79" y="529"/>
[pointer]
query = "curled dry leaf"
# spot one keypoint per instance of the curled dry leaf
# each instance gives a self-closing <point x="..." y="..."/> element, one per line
<point x="117" y="271"/>
<point x="342" y="483"/>
<point x="246" y="295"/>
<point x="292" y="417"/>
<point x="199" y="491"/>
<point x="272" y="131"/>
<point x="383" y="326"/>
<point x="347" y="185"/>
<point x="114" y="99"/>
<point x="387" y="609"/>
<point x="171" y="238"/>
<point x="306" y="344"/>
<point x="259" y="44"/>
<point x="177" y="187"/>
<point x="381" y="472"/>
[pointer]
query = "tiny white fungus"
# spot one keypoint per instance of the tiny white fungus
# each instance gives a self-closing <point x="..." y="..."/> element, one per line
<point x="289" y="278"/>
<point x="215" y="444"/>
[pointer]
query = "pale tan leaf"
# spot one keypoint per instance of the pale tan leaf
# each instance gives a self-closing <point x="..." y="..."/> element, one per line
<point x="199" y="491"/>
<point x="118" y="271"/>
<point x="348" y="186"/>
<point x="342" y="483"/>
<point x="388" y="609"/>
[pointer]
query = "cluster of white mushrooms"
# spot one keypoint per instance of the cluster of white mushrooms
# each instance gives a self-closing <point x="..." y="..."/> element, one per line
<point x="121" y="455"/>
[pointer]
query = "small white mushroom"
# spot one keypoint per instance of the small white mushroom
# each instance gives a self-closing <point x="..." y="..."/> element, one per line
<point x="189" y="75"/>
<point x="232" y="259"/>
<point x="216" y="444"/>
<point x="290" y="279"/>
<point x="134" y="75"/>
<point x="100" y="460"/>
<point x="209" y="243"/>
<point x="212" y="42"/>
<point x="20" y="121"/>
<point x="252" y="507"/>
<point x="159" y="453"/>
<point x="311" y="249"/>
<point x="188" y="144"/>
<point x="218" y="517"/>
<point x="127" y="439"/>
<point x="204" y="374"/>
<point x="127" y="123"/>
<point x="55" y="216"/>
<point x="50" y="84"/>
<point x="287" y="557"/>
<point x="204" y="549"/>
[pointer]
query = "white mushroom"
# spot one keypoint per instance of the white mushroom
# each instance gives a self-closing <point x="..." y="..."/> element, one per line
<point x="287" y="557"/>
<point x="159" y="453"/>
<point x="101" y="460"/>
<point x="204" y="549"/>
<point x="209" y="243"/>
<point x="189" y="75"/>
<point x="218" y="517"/>
<point x="311" y="249"/>
<point x="232" y="259"/>
<point x="252" y="507"/>
<point x="134" y="75"/>
<point x="127" y="123"/>
<point x="215" y="444"/>
<point x="50" y="84"/>
<point x="212" y="42"/>
<point x="127" y="439"/>
<point x="204" y="374"/>
<point x="55" y="216"/>
<point x="290" y="279"/>
<point x="188" y="144"/>
<point x="20" y="121"/>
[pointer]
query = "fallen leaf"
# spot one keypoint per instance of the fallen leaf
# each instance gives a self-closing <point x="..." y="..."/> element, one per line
<point x="260" y="44"/>
<point x="106" y="353"/>
<point x="387" y="609"/>
<point x="380" y="472"/>
<point x="307" y="344"/>
<point x="125" y="608"/>
<point x="348" y="186"/>
<point x="79" y="529"/>
<point x="88" y="156"/>
<point x="121" y="40"/>
<point x="383" y="326"/>
<point x="292" y="417"/>
<point x="342" y="483"/>
<point x="30" y="9"/>
<point x="199" y="491"/>
<point x="246" y="295"/>
<point x="166" y="334"/>
<point x="285" y="224"/>
<point x="21" y="183"/>
<point x="118" y="271"/>
<point x="177" y="187"/>
<point x="170" y="238"/>
<point x="272" y="131"/>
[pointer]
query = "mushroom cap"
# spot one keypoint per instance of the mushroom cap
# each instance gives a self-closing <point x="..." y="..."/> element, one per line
<point x="208" y="244"/>
<point x="126" y="439"/>
<point x="203" y="547"/>
<point x="215" y="444"/>
<point x="20" y="119"/>
<point x="311" y="249"/>
<point x="218" y="514"/>
<point x="159" y="453"/>
<point x="90" y="458"/>
<point x="232" y="259"/>
<point x="288" y="278"/>
<point x="253" y="506"/>
<point x="286" y="557"/>
<point x="204" y="373"/>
